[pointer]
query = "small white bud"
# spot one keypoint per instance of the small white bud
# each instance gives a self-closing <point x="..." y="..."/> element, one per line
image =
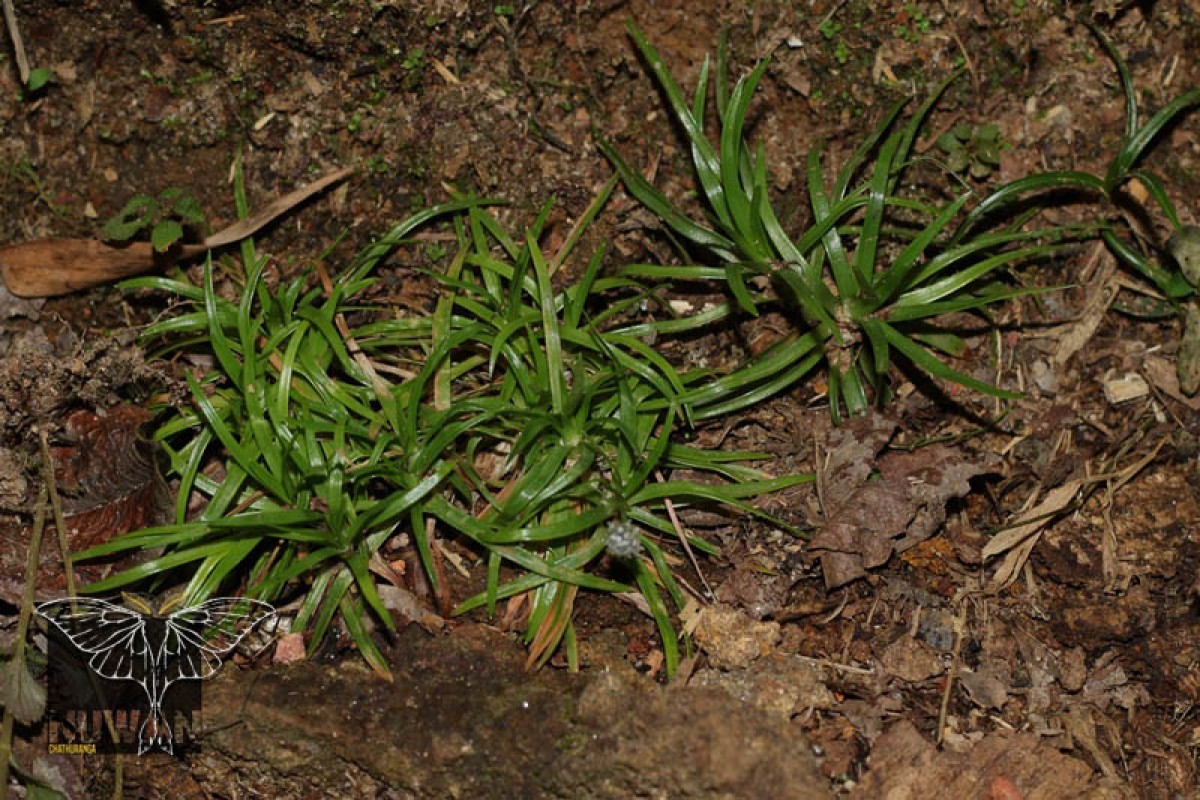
<point x="624" y="540"/>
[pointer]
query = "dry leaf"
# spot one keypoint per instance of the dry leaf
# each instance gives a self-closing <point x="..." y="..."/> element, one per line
<point x="1018" y="541"/>
<point x="868" y="521"/>
<point x="904" y="764"/>
<point x="20" y="692"/>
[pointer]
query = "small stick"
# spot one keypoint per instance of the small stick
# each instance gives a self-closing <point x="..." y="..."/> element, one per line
<point x="14" y="33"/>
<point x="56" y="505"/>
<point x="17" y="661"/>
<point x="50" y="488"/>
<point x="960" y="631"/>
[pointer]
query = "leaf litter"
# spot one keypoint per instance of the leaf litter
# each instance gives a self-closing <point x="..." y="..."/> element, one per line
<point x="1074" y="678"/>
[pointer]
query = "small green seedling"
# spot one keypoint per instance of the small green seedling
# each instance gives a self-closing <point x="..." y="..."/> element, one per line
<point x="165" y="217"/>
<point x="972" y="149"/>
<point x="37" y="79"/>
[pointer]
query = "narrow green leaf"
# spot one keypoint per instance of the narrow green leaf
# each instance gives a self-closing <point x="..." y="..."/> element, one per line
<point x="922" y="358"/>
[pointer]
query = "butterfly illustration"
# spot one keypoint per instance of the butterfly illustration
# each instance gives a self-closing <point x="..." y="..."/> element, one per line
<point x="155" y="648"/>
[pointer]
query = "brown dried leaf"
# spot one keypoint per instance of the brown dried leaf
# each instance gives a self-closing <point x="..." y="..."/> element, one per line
<point x="245" y="227"/>
<point x="868" y="522"/>
<point x="407" y="605"/>
<point x="50" y="267"/>
<point x="108" y="483"/>
<point x="911" y="660"/>
<point x="985" y="688"/>
<point x="1018" y="541"/>
<point x="20" y="693"/>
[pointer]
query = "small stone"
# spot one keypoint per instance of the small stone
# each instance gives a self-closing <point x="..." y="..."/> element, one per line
<point x="1072" y="670"/>
<point x="732" y="640"/>
<point x="289" y="649"/>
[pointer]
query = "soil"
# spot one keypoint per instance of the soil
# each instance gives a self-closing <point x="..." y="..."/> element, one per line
<point x="1066" y="664"/>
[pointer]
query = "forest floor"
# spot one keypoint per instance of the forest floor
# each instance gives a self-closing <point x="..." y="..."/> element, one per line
<point x="1068" y="666"/>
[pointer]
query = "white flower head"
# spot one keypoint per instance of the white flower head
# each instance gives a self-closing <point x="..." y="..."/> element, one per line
<point x="624" y="540"/>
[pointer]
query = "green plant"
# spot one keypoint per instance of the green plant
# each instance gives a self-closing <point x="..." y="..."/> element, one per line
<point x="586" y="412"/>
<point x="972" y="150"/>
<point x="23" y="173"/>
<point x="164" y="217"/>
<point x="865" y="281"/>
<point x="1123" y="217"/>
<point x="531" y="421"/>
<point x="306" y="439"/>
<point x="919" y="20"/>
<point x="414" y="59"/>
<point x="414" y="63"/>
<point x="1122" y="169"/>
<point x="841" y="52"/>
<point x="38" y="78"/>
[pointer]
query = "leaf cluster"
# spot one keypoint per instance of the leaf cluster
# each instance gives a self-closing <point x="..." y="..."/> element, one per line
<point x="164" y="217"/>
<point x="870" y="274"/>
<point x="972" y="150"/>
<point x="527" y="419"/>
<point x="1118" y="206"/>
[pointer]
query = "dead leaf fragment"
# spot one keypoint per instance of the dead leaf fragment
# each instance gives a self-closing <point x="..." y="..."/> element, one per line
<point x="50" y="267"/>
<point x="984" y="688"/>
<point x="869" y="521"/>
<point x="109" y="484"/>
<point x="911" y="660"/>
<point x="1131" y="386"/>
<point x="1018" y="541"/>
<point x="407" y="605"/>
<point x="1072" y="669"/>
<point x="904" y="764"/>
<point x="1188" y="361"/>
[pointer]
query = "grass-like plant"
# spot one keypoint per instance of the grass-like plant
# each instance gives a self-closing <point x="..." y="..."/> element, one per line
<point x="870" y="274"/>
<point x="582" y="411"/>
<point x="1126" y="228"/>
<point x="318" y="462"/>
<point x="525" y="418"/>
<point x="1125" y="167"/>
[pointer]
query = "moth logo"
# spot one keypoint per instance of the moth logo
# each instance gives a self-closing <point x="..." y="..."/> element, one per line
<point x="117" y="648"/>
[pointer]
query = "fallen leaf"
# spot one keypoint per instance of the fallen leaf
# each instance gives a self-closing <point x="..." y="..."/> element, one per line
<point x="108" y="484"/>
<point x="868" y="521"/>
<point x="911" y="660"/>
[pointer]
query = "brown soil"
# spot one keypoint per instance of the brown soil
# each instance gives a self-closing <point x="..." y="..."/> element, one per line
<point x="1077" y="678"/>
